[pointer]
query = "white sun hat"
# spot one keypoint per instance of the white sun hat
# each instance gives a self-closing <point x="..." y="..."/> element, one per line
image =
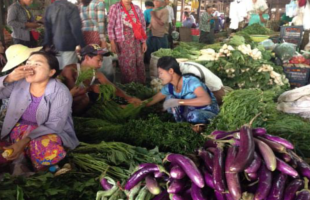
<point x="17" y="54"/>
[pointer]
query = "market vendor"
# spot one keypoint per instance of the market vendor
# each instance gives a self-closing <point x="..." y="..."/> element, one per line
<point x="38" y="122"/>
<point x="259" y="13"/>
<point x="91" y="59"/>
<point x="213" y="82"/>
<point x="186" y="96"/>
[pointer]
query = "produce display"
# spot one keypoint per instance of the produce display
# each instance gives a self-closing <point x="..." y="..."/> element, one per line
<point x="141" y="153"/>
<point x="241" y="105"/>
<point x="243" y="164"/>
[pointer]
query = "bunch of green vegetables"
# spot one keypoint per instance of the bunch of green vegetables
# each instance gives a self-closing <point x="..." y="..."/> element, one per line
<point x="242" y="71"/>
<point x="240" y="106"/>
<point x="190" y="51"/>
<point x="113" y="112"/>
<point x="83" y="76"/>
<point x="148" y="132"/>
<point x="137" y="90"/>
<point x="106" y="92"/>
<point x="114" y="159"/>
<point x="256" y="29"/>
<point x="45" y="186"/>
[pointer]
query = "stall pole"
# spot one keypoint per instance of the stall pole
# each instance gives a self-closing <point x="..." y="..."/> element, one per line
<point x="2" y="23"/>
<point x="182" y="8"/>
<point x="198" y="12"/>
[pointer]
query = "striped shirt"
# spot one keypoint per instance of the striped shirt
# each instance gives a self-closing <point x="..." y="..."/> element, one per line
<point x="115" y="26"/>
<point x="93" y="17"/>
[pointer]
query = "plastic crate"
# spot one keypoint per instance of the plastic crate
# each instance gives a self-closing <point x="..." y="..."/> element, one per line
<point x="195" y="31"/>
<point x="297" y="76"/>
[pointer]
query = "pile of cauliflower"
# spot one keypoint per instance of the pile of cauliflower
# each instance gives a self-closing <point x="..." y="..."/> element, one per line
<point x="211" y="55"/>
<point x="275" y="77"/>
<point x="247" y="50"/>
<point x="156" y="84"/>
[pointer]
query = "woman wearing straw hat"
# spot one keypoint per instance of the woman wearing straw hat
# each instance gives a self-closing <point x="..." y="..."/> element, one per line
<point x="38" y="122"/>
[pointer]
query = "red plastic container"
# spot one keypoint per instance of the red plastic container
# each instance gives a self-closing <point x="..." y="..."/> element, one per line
<point x="195" y="31"/>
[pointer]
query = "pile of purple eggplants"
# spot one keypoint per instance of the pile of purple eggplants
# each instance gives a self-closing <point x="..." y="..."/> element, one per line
<point x="244" y="164"/>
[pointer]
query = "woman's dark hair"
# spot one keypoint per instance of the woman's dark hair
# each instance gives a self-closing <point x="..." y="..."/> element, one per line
<point x="186" y="14"/>
<point x="52" y="61"/>
<point x="86" y="2"/>
<point x="149" y="3"/>
<point x="207" y="7"/>
<point x="168" y="62"/>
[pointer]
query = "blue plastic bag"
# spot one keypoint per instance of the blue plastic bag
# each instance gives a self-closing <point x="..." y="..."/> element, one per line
<point x="256" y="19"/>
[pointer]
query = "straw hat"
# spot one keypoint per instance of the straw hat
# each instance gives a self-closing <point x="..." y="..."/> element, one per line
<point x="17" y="54"/>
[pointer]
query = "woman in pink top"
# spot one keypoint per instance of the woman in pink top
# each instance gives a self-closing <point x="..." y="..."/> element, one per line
<point x="129" y="50"/>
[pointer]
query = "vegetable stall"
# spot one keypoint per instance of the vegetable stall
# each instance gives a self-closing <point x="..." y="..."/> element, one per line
<point x="256" y="148"/>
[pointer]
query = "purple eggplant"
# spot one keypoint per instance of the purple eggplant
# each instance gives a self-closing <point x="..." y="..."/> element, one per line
<point x="152" y="185"/>
<point x="259" y="131"/>
<point x="268" y="155"/>
<point x="264" y="184"/>
<point x="303" y="168"/>
<point x="292" y="188"/>
<point x="177" y="172"/>
<point x="188" y="167"/>
<point x="176" y="186"/>
<point x="219" y="196"/>
<point x="146" y="165"/>
<point x="216" y="132"/>
<point x="177" y="197"/>
<point x="252" y="176"/>
<point x="286" y="157"/>
<point x="303" y="195"/>
<point x="140" y="175"/>
<point x="105" y="184"/>
<point x="209" y="179"/>
<point x="162" y="196"/>
<point x="254" y="166"/>
<point x="286" y="169"/>
<point x="274" y="145"/>
<point x="211" y="149"/>
<point x="279" y="140"/>
<point x="207" y="158"/>
<point x="277" y="189"/>
<point x="218" y="169"/>
<point x="246" y="150"/>
<point x="209" y="143"/>
<point x="228" y="196"/>
<point x="159" y="174"/>
<point x="197" y="193"/>
<point x="232" y="178"/>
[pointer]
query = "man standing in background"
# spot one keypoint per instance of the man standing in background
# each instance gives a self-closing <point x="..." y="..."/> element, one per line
<point x="171" y="21"/>
<point x="206" y="32"/>
<point x="63" y="30"/>
<point x="147" y="13"/>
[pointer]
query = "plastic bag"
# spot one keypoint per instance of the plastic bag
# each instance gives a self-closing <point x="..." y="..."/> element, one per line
<point x="175" y="35"/>
<point x="307" y="16"/>
<point x="285" y="51"/>
<point x="268" y="44"/>
<point x="291" y="9"/>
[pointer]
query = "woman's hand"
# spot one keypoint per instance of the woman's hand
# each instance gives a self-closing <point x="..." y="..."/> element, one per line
<point x="135" y="101"/>
<point x="18" y="74"/>
<point x="114" y="47"/>
<point x="144" y="47"/>
<point x="18" y="148"/>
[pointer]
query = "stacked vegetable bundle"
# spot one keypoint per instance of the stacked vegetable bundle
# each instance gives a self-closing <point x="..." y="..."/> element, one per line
<point x="242" y="164"/>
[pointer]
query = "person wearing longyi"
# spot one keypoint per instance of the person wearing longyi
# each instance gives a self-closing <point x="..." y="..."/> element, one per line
<point x="38" y="122"/>
<point x="126" y="30"/>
